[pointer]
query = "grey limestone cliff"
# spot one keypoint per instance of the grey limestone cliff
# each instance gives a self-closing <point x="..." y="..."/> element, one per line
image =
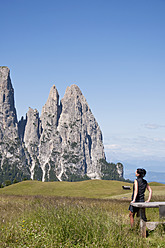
<point x="12" y="155"/>
<point x="8" y="117"/>
<point x="31" y="138"/>
<point x="82" y="145"/>
<point x="69" y="141"/>
<point x="64" y="143"/>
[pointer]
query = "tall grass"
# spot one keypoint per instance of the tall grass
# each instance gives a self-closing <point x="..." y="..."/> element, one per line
<point x="69" y="222"/>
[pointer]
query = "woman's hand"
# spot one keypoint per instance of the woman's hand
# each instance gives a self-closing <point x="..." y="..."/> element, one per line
<point x="133" y="201"/>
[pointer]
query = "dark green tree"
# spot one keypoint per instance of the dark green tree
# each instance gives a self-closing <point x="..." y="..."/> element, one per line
<point x="7" y="182"/>
<point x="15" y="181"/>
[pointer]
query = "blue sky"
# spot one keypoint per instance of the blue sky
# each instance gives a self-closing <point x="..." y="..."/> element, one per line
<point x="114" y="50"/>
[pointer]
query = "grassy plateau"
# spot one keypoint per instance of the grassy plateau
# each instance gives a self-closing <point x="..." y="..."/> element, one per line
<point x="79" y="214"/>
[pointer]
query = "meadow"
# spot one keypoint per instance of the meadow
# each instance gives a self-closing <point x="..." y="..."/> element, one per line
<point x="82" y="214"/>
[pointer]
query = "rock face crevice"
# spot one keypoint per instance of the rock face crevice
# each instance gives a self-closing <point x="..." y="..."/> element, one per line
<point x="64" y="143"/>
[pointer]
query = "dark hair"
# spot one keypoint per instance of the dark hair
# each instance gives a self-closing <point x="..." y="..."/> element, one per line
<point x="141" y="172"/>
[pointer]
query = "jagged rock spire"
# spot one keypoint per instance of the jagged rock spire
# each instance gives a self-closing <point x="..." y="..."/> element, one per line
<point x="32" y="130"/>
<point x="50" y="110"/>
<point x="13" y="161"/>
<point x="8" y="116"/>
<point x="81" y="134"/>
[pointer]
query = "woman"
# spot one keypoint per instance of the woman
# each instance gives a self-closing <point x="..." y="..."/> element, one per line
<point x="139" y="188"/>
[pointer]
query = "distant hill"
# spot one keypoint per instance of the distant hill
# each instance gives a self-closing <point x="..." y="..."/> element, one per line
<point x="101" y="189"/>
<point x="89" y="189"/>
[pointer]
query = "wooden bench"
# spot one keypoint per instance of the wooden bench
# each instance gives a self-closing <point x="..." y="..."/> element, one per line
<point x="143" y="223"/>
<point x="126" y="187"/>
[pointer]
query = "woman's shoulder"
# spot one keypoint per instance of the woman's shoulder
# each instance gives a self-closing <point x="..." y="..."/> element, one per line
<point x="145" y="181"/>
<point x="135" y="181"/>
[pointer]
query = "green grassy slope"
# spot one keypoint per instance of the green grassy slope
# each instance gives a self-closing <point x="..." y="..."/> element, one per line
<point x="90" y="189"/>
<point x="156" y="184"/>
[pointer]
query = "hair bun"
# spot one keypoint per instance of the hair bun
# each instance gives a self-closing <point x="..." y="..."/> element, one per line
<point x="141" y="172"/>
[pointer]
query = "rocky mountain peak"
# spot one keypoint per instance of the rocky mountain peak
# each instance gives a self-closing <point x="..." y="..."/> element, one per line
<point x="8" y="117"/>
<point x="73" y="104"/>
<point x="64" y="143"/>
<point x="53" y="96"/>
<point x="4" y="73"/>
<point x="32" y="127"/>
<point x="13" y="162"/>
<point x="80" y="134"/>
<point x="50" y="110"/>
<point x="73" y="90"/>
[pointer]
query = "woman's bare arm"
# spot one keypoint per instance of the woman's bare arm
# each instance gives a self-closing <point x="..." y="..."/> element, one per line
<point x="150" y="192"/>
<point x="135" y="191"/>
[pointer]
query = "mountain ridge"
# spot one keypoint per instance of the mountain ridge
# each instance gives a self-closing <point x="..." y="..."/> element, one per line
<point x="64" y="143"/>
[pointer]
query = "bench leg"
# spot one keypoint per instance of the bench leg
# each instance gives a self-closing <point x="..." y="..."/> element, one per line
<point x="143" y="228"/>
<point x="142" y="223"/>
<point x="161" y="211"/>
